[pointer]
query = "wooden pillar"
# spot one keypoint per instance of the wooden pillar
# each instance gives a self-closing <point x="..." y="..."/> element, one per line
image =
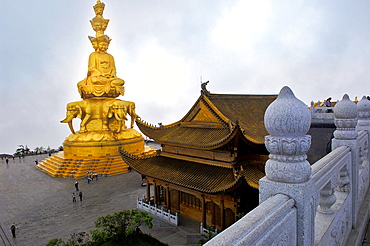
<point x="147" y="191"/>
<point x="167" y="194"/>
<point x="213" y="214"/>
<point x="222" y="207"/>
<point x="179" y="194"/>
<point x="204" y="212"/>
<point x="155" y="193"/>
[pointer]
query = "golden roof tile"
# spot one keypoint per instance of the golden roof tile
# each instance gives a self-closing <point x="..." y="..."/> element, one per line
<point x="248" y="110"/>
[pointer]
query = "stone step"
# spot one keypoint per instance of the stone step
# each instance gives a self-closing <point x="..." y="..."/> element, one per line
<point x="57" y="166"/>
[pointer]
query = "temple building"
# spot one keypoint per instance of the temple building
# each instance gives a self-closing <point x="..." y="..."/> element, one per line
<point x="210" y="161"/>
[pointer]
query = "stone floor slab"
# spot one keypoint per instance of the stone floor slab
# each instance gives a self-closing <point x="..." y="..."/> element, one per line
<point x="41" y="206"/>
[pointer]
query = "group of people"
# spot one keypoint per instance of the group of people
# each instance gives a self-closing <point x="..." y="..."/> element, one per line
<point x="74" y="196"/>
<point x="91" y="176"/>
<point x="77" y="192"/>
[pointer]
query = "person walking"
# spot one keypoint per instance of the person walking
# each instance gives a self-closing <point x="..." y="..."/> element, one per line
<point x="76" y="186"/>
<point x="13" y="228"/>
<point x="7" y="160"/>
<point x="73" y="197"/>
<point x="80" y="195"/>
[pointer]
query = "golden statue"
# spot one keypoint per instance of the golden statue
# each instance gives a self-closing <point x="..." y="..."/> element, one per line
<point x="103" y="116"/>
<point x="101" y="77"/>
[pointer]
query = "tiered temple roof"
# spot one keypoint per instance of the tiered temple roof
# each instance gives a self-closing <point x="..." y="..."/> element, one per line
<point x="213" y="121"/>
<point x="190" y="174"/>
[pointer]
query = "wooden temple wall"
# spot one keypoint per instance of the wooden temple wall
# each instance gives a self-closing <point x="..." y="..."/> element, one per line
<point x="218" y="211"/>
<point x="206" y="154"/>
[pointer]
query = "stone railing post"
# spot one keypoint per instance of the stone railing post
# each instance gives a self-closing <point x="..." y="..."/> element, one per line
<point x="364" y="119"/>
<point x="312" y="109"/>
<point x="287" y="171"/>
<point x="345" y="113"/>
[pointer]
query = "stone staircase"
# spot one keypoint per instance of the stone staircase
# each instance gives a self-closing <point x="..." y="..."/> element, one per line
<point x="59" y="166"/>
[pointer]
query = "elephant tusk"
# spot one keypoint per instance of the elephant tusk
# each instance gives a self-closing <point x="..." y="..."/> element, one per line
<point x="67" y="119"/>
<point x="71" y="127"/>
<point x="120" y="119"/>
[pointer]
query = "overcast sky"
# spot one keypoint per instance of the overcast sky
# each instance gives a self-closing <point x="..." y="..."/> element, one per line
<point x="163" y="48"/>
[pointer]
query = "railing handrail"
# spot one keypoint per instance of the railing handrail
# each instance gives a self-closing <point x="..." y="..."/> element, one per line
<point x="159" y="212"/>
<point x="329" y="158"/>
<point x="322" y="167"/>
<point x="256" y="222"/>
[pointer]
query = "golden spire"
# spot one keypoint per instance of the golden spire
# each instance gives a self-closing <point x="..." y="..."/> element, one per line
<point x="99" y="8"/>
<point x="98" y="23"/>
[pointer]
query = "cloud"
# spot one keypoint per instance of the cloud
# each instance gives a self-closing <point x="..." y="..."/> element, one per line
<point x="242" y="25"/>
<point x="162" y="49"/>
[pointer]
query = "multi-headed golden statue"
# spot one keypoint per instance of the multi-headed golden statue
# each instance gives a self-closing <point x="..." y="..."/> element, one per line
<point x="101" y="77"/>
<point x="103" y="116"/>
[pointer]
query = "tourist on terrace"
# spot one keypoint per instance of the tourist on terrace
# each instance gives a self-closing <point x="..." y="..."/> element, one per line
<point x="328" y="104"/>
<point x="13" y="228"/>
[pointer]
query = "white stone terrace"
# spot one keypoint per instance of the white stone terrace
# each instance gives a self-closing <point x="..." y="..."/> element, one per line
<point x="321" y="114"/>
<point x="301" y="204"/>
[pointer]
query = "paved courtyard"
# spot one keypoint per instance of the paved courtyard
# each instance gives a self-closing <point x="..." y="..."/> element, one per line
<point x="42" y="208"/>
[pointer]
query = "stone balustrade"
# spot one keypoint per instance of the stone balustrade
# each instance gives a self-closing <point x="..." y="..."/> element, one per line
<point x="321" y="114"/>
<point x="303" y="204"/>
<point x="158" y="212"/>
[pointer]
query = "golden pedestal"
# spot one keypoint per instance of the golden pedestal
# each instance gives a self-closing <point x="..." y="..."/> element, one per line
<point x="100" y="158"/>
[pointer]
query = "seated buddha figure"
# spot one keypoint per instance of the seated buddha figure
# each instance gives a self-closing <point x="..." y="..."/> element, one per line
<point x="101" y="77"/>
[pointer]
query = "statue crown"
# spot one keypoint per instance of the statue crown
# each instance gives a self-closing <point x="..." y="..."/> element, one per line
<point x="104" y="38"/>
<point x="98" y="5"/>
<point x="92" y="39"/>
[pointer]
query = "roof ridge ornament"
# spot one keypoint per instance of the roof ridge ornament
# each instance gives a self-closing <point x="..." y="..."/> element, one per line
<point x="204" y="90"/>
<point x="237" y="120"/>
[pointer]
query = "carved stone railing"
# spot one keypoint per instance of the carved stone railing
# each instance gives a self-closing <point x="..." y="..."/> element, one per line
<point x="274" y="220"/>
<point x="321" y="115"/>
<point x="331" y="175"/>
<point x="158" y="212"/>
<point x="364" y="167"/>
<point x="327" y="196"/>
<point x="207" y="231"/>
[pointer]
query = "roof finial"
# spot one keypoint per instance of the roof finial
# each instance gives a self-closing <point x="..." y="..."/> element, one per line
<point x="204" y="90"/>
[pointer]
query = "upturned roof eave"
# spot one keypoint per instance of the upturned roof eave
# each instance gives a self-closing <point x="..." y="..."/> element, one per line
<point x="128" y="157"/>
<point x="236" y="130"/>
